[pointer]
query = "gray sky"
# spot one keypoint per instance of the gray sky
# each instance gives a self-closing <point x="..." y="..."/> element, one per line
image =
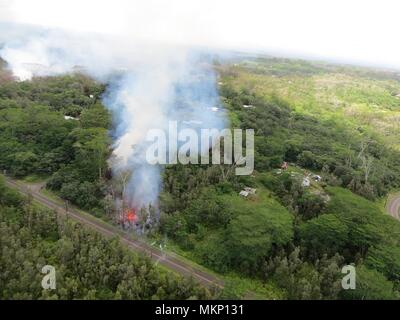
<point x="364" y="31"/>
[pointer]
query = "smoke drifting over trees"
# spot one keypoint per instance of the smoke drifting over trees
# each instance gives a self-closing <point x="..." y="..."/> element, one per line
<point x="147" y="86"/>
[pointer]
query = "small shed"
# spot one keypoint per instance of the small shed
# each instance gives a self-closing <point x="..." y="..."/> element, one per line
<point x="306" y="182"/>
<point x="250" y="190"/>
<point x="247" y="191"/>
<point x="243" y="193"/>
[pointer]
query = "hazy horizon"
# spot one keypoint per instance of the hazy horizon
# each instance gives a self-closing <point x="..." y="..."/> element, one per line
<point x="350" y="32"/>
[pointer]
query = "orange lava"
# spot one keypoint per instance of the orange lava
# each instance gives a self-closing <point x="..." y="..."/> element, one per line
<point x="131" y="215"/>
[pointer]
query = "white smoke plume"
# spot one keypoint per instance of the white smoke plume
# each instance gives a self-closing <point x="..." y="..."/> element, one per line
<point x="148" y="85"/>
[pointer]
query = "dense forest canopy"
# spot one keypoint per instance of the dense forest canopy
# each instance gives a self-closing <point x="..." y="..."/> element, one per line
<point x="56" y="127"/>
<point x="87" y="265"/>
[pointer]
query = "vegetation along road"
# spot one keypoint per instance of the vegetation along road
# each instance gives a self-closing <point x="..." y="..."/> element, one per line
<point x="158" y="256"/>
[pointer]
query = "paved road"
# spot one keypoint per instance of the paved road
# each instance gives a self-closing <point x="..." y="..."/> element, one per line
<point x="393" y="206"/>
<point x="166" y="259"/>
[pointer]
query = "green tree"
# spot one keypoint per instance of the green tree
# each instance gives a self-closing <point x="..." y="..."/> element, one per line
<point x="95" y="117"/>
<point x="250" y="236"/>
<point x="324" y="234"/>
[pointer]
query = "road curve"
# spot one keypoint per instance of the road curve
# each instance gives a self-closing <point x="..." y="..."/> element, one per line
<point x="393" y="206"/>
<point x="166" y="259"/>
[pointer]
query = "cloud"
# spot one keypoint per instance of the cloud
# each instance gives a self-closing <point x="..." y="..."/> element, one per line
<point x="355" y="30"/>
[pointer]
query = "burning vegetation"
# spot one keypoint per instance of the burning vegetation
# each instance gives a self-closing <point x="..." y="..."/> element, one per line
<point x="130" y="215"/>
<point x="140" y="220"/>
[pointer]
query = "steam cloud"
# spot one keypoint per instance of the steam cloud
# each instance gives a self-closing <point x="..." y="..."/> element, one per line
<point x="148" y="85"/>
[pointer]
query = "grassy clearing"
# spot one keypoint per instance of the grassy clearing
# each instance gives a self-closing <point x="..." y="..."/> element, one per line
<point x="349" y="95"/>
